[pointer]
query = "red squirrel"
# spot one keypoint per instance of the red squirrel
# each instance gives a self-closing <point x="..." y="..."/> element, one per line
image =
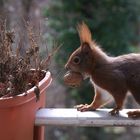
<point x="113" y="75"/>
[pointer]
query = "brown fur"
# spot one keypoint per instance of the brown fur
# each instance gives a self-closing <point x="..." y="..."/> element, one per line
<point x="116" y="75"/>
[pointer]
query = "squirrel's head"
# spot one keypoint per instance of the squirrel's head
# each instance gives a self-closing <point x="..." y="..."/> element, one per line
<point x="81" y="59"/>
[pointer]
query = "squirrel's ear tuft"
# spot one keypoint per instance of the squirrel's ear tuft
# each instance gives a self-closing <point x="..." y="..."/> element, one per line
<point x="84" y="33"/>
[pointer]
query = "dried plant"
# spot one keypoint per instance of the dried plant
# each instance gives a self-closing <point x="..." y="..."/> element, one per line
<point x="16" y="75"/>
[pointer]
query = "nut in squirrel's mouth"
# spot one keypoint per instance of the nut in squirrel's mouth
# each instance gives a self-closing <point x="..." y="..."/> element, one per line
<point x="73" y="79"/>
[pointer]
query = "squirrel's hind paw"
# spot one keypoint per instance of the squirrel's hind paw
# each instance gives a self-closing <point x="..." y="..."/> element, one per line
<point x="134" y="114"/>
<point x="114" y="112"/>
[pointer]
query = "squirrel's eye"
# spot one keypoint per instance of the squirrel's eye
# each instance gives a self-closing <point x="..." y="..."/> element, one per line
<point x="76" y="60"/>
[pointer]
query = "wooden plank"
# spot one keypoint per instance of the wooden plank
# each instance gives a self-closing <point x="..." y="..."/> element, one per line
<point x="72" y="117"/>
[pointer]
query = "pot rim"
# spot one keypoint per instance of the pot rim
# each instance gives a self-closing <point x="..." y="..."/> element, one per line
<point x="29" y="95"/>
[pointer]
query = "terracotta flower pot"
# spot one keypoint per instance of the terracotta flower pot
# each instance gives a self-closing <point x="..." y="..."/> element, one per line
<point x="17" y="115"/>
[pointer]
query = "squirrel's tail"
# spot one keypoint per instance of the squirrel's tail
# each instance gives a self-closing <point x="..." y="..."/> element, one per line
<point x="134" y="114"/>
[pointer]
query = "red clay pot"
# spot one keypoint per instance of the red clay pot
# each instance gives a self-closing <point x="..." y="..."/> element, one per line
<point x="17" y="115"/>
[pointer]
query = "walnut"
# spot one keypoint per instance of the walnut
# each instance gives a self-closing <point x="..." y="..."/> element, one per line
<point x="73" y="79"/>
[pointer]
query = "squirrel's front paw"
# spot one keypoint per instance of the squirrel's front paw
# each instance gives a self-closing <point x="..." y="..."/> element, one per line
<point x="84" y="107"/>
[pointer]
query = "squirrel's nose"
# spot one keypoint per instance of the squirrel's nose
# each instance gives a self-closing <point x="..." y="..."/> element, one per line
<point x="66" y="67"/>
